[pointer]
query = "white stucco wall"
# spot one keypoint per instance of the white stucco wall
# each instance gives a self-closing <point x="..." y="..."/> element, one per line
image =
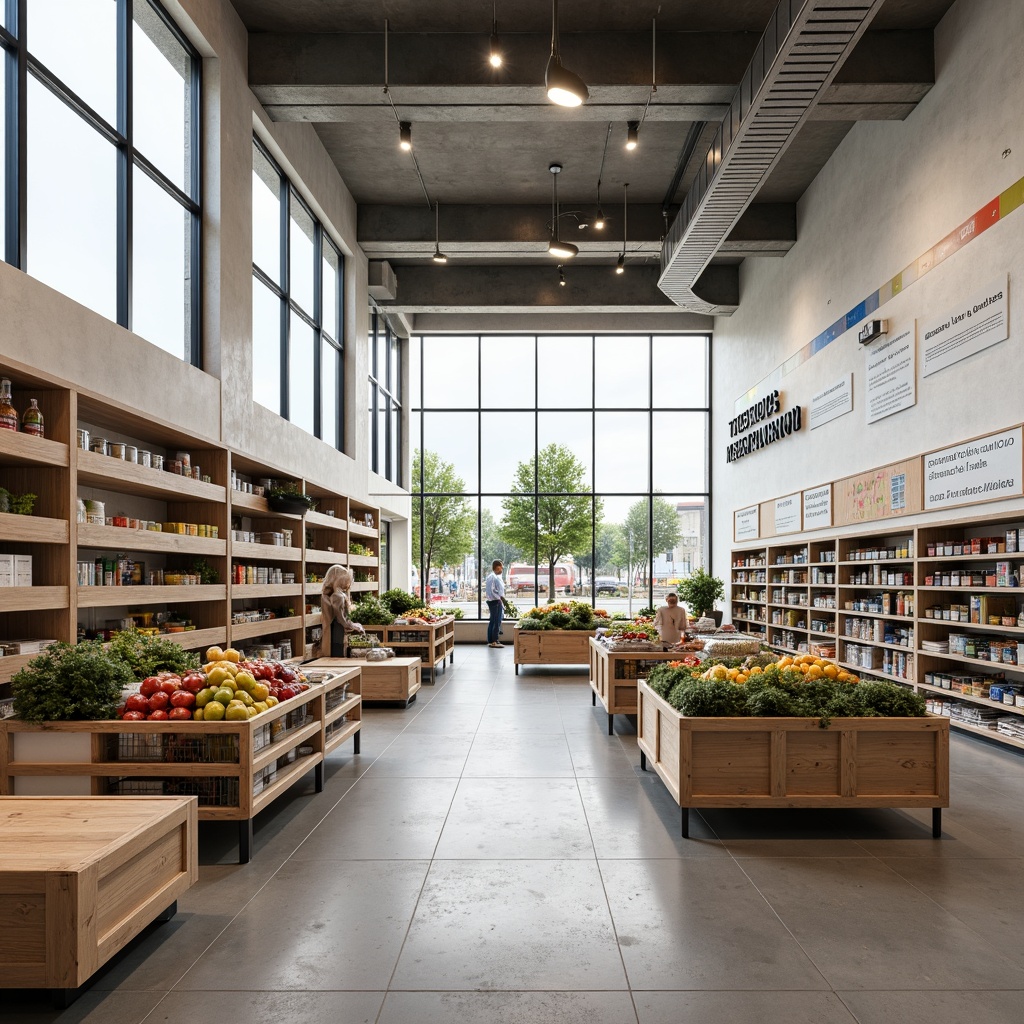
<point x="890" y="192"/>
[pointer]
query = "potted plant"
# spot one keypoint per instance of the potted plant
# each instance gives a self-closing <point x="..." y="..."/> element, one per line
<point x="285" y="497"/>
<point x="699" y="592"/>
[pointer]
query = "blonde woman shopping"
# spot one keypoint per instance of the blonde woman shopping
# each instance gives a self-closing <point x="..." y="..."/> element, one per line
<point x="336" y="606"/>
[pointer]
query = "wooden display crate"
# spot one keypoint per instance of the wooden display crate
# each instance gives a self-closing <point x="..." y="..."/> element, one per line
<point x="551" y="646"/>
<point x="80" y="877"/>
<point x="432" y="642"/>
<point x="613" y="676"/>
<point x="393" y="681"/>
<point x="235" y="768"/>
<point x="793" y="762"/>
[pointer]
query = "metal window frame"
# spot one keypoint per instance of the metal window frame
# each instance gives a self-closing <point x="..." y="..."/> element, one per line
<point x="386" y="393"/>
<point x="478" y="495"/>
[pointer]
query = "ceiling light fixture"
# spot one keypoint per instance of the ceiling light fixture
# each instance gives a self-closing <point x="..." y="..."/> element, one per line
<point x="438" y="257"/>
<point x="632" y="134"/>
<point x="620" y="265"/>
<point x="405" y="136"/>
<point x="564" y="87"/>
<point x="495" y="57"/>
<point x="561" y="276"/>
<point x="563" y="250"/>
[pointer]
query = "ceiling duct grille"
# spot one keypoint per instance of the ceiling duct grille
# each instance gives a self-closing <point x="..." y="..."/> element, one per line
<point x="799" y="54"/>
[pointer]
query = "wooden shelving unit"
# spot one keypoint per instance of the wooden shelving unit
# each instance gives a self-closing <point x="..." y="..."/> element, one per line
<point x="235" y="768"/>
<point x="890" y="595"/>
<point x="59" y="472"/>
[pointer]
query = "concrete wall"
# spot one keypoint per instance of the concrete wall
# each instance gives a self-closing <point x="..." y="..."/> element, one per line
<point x="890" y="192"/>
<point x="48" y="331"/>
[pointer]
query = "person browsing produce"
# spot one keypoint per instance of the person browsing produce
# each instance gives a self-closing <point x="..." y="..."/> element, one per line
<point x="671" y="621"/>
<point x="336" y="606"/>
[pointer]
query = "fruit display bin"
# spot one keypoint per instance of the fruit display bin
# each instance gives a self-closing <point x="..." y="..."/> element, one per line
<point x="794" y="762"/>
<point x="613" y="676"/>
<point x="432" y="642"/>
<point x="235" y="768"/>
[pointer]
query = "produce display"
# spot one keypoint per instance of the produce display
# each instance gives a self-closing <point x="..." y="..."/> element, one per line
<point x="226" y="688"/>
<point x="765" y="685"/>
<point x="564" y="615"/>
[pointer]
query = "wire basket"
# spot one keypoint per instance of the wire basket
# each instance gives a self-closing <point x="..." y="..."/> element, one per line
<point x="213" y="791"/>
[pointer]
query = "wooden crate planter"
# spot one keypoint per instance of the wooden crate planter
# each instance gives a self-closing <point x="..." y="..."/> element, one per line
<point x="432" y="642"/>
<point x="395" y="681"/>
<point x="80" y="877"/>
<point x="551" y="646"/>
<point x="793" y="762"/>
<point x="235" y="768"/>
<point x="614" y="674"/>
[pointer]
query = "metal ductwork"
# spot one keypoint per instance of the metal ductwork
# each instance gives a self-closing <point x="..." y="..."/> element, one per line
<point x="801" y="51"/>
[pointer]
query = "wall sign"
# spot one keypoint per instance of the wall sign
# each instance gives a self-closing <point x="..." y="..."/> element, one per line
<point x="986" y="469"/>
<point x="747" y="523"/>
<point x="760" y="437"/>
<point x="892" y="375"/>
<point x="972" y="326"/>
<point x="818" y="507"/>
<point x="833" y="402"/>
<point x="787" y="514"/>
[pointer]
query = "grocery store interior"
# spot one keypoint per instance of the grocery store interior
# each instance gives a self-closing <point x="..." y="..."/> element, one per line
<point x="637" y="299"/>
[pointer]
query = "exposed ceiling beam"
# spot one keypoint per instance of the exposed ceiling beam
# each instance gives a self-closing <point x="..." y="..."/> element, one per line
<point x="442" y="78"/>
<point x="479" y="232"/>
<point x="519" y="289"/>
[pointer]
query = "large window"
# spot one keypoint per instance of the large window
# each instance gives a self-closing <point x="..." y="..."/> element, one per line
<point x="581" y="461"/>
<point x="296" y="306"/>
<point x="100" y="173"/>
<point x="385" y="399"/>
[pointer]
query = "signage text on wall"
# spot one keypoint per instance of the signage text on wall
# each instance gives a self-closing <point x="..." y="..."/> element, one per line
<point x="818" y="507"/>
<point x="832" y="402"/>
<point x="776" y="426"/>
<point x="972" y="326"/>
<point x="787" y="514"/>
<point x="747" y="523"/>
<point x="986" y="469"/>
<point x="892" y="376"/>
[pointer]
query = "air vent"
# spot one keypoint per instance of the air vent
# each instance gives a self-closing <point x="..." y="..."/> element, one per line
<point x="800" y="53"/>
<point x="383" y="285"/>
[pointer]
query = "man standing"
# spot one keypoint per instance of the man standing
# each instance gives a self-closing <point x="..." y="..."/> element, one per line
<point x="670" y="622"/>
<point x="494" y="591"/>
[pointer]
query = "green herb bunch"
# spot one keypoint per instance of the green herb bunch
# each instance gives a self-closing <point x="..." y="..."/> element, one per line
<point x="400" y="601"/>
<point x="80" y="682"/>
<point x="371" y="611"/>
<point x="146" y="655"/>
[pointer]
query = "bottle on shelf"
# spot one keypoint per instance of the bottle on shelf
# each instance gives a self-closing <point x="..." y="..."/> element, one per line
<point x="8" y="414"/>
<point x="32" y="419"/>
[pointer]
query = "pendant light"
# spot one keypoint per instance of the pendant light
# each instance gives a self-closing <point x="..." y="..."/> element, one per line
<point x="620" y="265"/>
<point x="632" y="134"/>
<point x="563" y="250"/>
<point x="438" y="257"/>
<point x="561" y="276"/>
<point x="495" y="58"/>
<point x="564" y="87"/>
<point x="405" y="136"/>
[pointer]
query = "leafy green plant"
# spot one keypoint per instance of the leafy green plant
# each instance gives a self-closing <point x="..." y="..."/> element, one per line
<point x="146" y="655"/>
<point x="707" y="698"/>
<point x="531" y="622"/>
<point x="650" y="611"/>
<point x="207" y="573"/>
<point x="511" y="611"/>
<point x="400" y="601"/>
<point x="289" y="490"/>
<point x="70" y="683"/>
<point x="17" y="504"/>
<point x="371" y="611"/>
<point x="699" y="591"/>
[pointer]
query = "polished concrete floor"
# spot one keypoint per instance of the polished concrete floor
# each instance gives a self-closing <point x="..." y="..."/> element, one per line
<point x="494" y="856"/>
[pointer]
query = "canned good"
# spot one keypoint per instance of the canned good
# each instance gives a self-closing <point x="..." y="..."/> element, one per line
<point x="157" y="461"/>
<point x="184" y="458"/>
<point x="144" y="457"/>
<point x="131" y="453"/>
<point x="83" y="439"/>
<point x="98" y="445"/>
<point x="116" y="450"/>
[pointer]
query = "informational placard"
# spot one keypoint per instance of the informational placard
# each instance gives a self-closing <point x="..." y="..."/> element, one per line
<point x="818" y="507"/>
<point x="882" y="493"/>
<point x="747" y="523"/>
<point x="974" y="325"/>
<point x="787" y="514"/>
<point x="834" y="401"/>
<point x="892" y="375"/>
<point x="986" y="469"/>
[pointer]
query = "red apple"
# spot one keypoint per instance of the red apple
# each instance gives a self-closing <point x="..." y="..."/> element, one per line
<point x="193" y="681"/>
<point x="159" y="701"/>
<point x="157" y="716"/>
<point x="180" y="714"/>
<point x="134" y="716"/>
<point x="137" y="702"/>
<point x="149" y="686"/>
<point x="170" y="684"/>
<point x="183" y="699"/>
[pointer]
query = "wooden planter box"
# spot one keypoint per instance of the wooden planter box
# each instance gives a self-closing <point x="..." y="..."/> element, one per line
<point x="82" y="876"/>
<point x="393" y="681"/>
<point x="551" y="646"/>
<point x="432" y="642"/>
<point x="614" y="674"/>
<point x="793" y="762"/>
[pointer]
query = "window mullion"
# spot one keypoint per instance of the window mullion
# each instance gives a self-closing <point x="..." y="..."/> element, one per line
<point x="124" y="164"/>
<point x="318" y="298"/>
<point x="16" y="116"/>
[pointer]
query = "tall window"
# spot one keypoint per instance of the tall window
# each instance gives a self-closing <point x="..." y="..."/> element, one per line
<point x="581" y="461"/>
<point x="385" y="399"/>
<point x="297" y="312"/>
<point x="100" y="176"/>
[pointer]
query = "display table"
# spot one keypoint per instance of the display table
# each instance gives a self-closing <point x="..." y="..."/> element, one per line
<point x="393" y="681"/>
<point x="235" y="768"/>
<point x="432" y="642"/>
<point x="613" y="676"/>
<point x="793" y="762"/>
<point x="551" y="646"/>
<point x="82" y="876"/>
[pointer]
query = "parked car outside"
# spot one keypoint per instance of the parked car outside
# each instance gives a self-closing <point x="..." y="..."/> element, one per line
<point x="606" y="585"/>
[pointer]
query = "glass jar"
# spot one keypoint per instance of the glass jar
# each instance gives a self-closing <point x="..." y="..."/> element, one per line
<point x="8" y="414"/>
<point x="32" y="419"/>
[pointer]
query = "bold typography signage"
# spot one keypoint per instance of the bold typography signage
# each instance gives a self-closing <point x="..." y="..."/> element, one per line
<point x="787" y="514"/>
<point x="974" y="325"/>
<point x="987" y="469"/>
<point x="775" y="426"/>
<point x="892" y="373"/>
<point x="832" y="402"/>
<point x="747" y="523"/>
<point x="818" y="507"/>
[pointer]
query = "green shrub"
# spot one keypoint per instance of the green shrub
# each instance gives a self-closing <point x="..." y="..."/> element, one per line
<point x="533" y="623"/>
<point x="371" y="611"/>
<point x="400" y="601"/>
<point x="559" y="620"/>
<point x="80" y="682"/>
<point x="707" y="698"/>
<point x="146" y="655"/>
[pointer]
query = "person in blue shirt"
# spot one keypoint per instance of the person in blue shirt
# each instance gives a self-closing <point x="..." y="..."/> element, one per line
<point x="494" y="591"/>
